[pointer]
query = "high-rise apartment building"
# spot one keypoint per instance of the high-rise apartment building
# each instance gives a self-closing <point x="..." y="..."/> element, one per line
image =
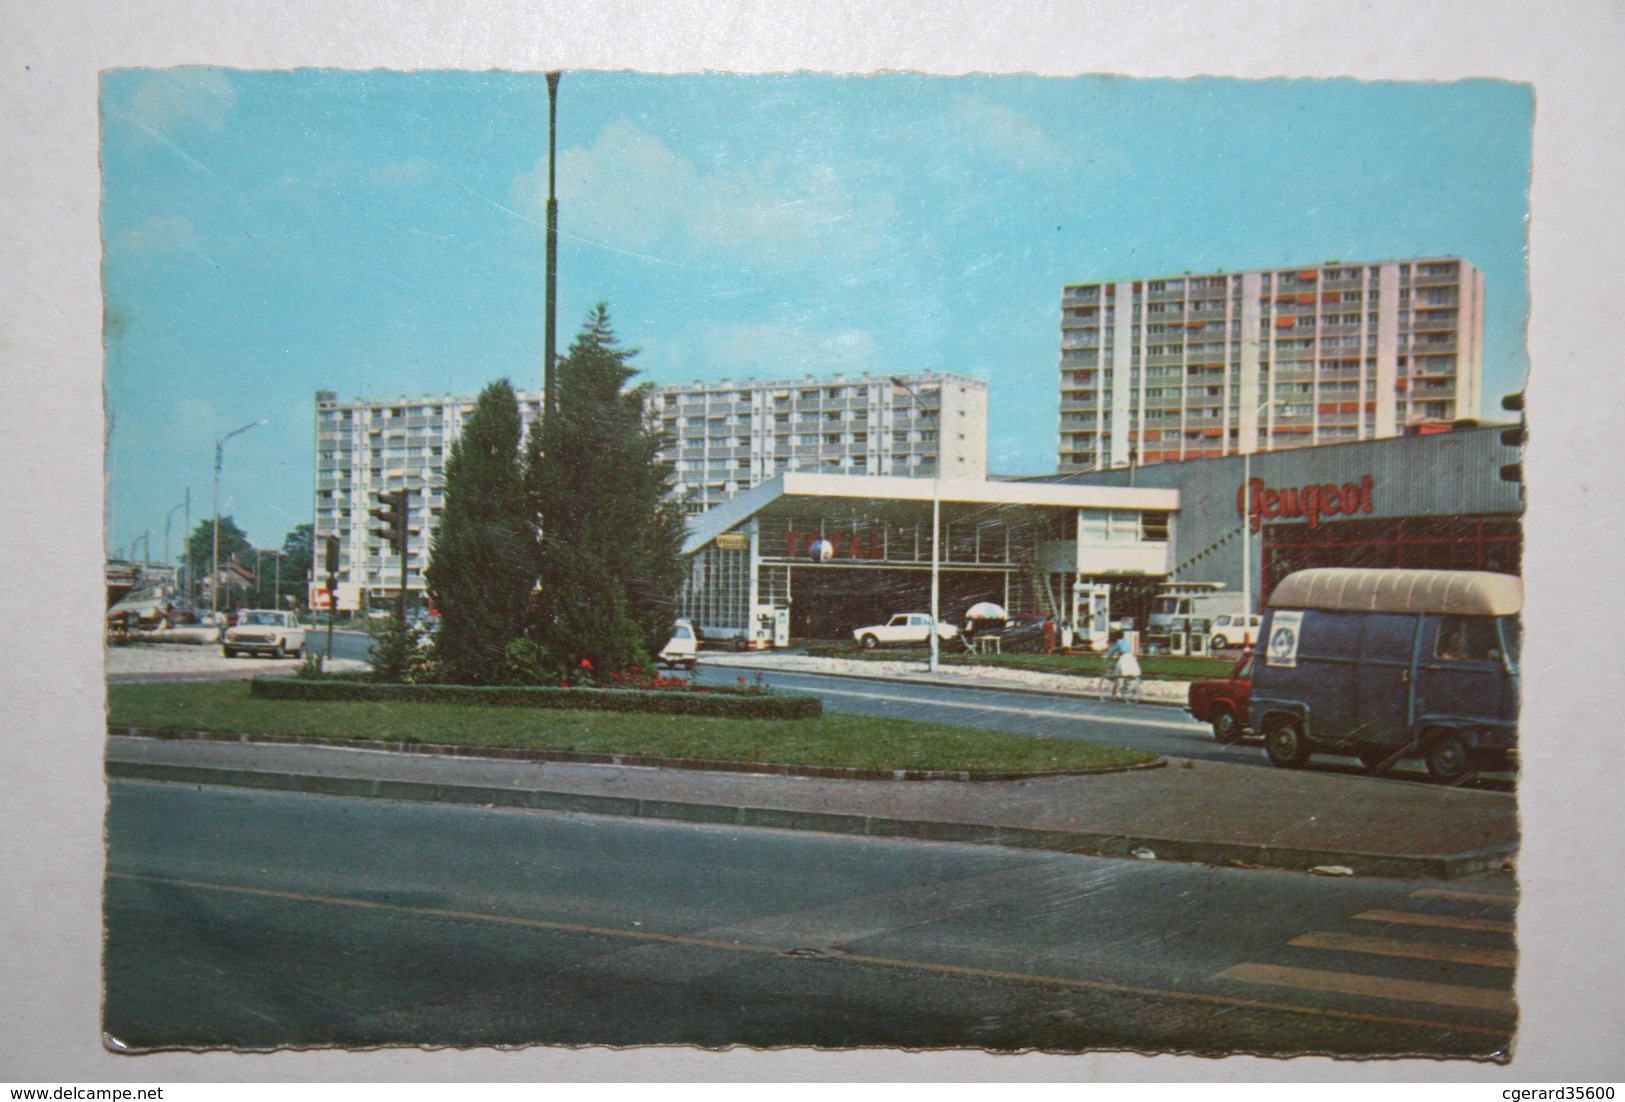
<point x="725" y="437"/>
<point x="1202" y="366"/>
<point x="721" y="438"/>
<point x="372" y="446"/>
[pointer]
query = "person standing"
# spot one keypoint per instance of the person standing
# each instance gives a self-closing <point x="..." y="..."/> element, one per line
<point x="1122" y="668"/>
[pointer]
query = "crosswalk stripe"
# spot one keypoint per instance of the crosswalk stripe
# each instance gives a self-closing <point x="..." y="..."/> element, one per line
<point x="1415" y="950"/>
<point x="1466" y="897"/>
<point x="1379" y="987"/>
<point x="1442" y="921"/>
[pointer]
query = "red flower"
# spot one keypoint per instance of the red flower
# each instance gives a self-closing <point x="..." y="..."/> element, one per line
<point x="586" y="664"/>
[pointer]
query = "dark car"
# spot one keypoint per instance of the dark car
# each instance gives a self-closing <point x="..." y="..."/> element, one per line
<point x="1027" y="633"/>
<point x="1223" y="702"/>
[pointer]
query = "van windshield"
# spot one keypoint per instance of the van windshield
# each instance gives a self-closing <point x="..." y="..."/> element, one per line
<point x="1512" y="631"/>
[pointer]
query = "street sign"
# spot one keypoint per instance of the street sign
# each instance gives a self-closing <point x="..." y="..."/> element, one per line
<point x="321" y="599"/>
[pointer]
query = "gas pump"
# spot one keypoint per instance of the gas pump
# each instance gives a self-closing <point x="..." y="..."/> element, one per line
<point x="772" y="627"/>
<point x="1091" y="616"/>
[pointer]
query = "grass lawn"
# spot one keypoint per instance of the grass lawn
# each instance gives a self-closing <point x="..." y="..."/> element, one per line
<point x="1154" y="667"/>
<point x="857" y="742"/>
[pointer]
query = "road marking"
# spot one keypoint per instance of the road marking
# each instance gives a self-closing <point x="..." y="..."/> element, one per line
<point x="834" y="956"/>
<point x="1444" y="921"/>
<point x="1377" y="987"/>
<point x="1399" y="947"/>
<point x="1466" y="897"/>
<point x="1187" y="726"/>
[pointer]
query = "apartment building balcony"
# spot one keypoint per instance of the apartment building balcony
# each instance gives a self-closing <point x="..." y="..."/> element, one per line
<point x="1080" y="296"/>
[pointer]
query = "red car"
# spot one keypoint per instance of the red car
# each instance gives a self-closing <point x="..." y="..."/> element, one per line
<point x="1223" y="703"/>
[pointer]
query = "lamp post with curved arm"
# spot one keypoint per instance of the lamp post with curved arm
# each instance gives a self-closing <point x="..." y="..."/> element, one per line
<point x="219" y="458"/>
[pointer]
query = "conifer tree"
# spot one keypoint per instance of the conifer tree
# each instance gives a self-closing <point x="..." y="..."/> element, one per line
<point x="609" y="556"/>
<point x="482" y="558"/>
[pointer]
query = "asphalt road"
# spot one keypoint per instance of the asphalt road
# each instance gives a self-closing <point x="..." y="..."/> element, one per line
<point x="259" y="919"/>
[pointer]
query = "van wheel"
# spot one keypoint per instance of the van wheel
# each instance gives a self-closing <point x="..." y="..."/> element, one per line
<point x="1449" y="759"/>
<point x="1225" y="727"/>
<point x="1286" y="745"/>
<point x="1220" y="643"/>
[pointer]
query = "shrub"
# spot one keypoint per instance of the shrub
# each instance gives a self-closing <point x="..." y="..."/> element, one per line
<point x="715" y="702"/>
<point x="525" y="662"/>
<point x="398" y="654"/>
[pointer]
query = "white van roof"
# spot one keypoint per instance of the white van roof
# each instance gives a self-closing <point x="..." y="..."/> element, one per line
<point x="1456" y="592"/>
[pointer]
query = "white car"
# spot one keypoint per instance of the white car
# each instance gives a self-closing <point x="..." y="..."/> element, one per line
<point x="1229" y="628"/>
<point x="682" y="649"/>
<point x="905" y="627"/>
<point x="264" y="631"/>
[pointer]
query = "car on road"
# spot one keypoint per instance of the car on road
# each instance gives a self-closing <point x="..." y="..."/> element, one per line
<point x="266" y="631"/>
<point x="905" y="627"/>
<point x="1222" y="702"/>
<point x="1386" y="664"/>
<point x="1234" y="629"/>
<point x="682" y="649"/>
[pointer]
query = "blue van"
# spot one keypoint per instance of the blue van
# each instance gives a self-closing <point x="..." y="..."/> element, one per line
<point x="1391" y="664"/>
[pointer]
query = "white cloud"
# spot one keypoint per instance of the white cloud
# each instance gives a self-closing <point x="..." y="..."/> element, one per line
<point x="171" y="233"/>
<point x="1008" y="133"/>
<point x="173" y="100"/>
<point x="631" y="191"/>
<point x="406" y="173"/>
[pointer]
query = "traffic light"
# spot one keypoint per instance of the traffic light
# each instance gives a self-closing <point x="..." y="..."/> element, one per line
<point x="1514" y="437"/>
<point x="392" y="512"/>
<point x="332" y="548"/>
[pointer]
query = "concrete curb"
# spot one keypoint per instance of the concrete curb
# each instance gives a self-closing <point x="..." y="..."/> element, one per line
<point x="1239" y="855"/>
<point x="579" y="757"/>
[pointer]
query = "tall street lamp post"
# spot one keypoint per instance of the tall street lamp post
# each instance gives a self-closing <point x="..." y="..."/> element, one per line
<point x="550" y="314"/>
<point x="1247" y="526"/>
<point x="936" y="534"/>
<point x="219" y="458"/>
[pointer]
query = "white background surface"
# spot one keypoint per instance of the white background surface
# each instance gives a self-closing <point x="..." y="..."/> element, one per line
<point x="51" y="436"/>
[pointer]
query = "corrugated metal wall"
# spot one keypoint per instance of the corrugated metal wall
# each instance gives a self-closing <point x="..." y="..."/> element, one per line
<point x="1448" y="474"/>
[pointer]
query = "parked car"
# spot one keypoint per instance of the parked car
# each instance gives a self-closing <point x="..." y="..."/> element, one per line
<point x="264" y="631"/>
<point x="1391" y="664"/>
<point x="1025" y="633"/>
<point x="1234" y="629"/>
<point x="1222" y="702"/>
<point x="682" y="649"/>
<point x="905" y="627"/>
<point x="186" y="626"/>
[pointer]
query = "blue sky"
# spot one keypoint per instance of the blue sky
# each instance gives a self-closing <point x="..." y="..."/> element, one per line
<point x="270" y="234"/>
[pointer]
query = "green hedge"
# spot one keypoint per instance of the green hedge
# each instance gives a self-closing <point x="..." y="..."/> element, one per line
<point x="720" y="704"/>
